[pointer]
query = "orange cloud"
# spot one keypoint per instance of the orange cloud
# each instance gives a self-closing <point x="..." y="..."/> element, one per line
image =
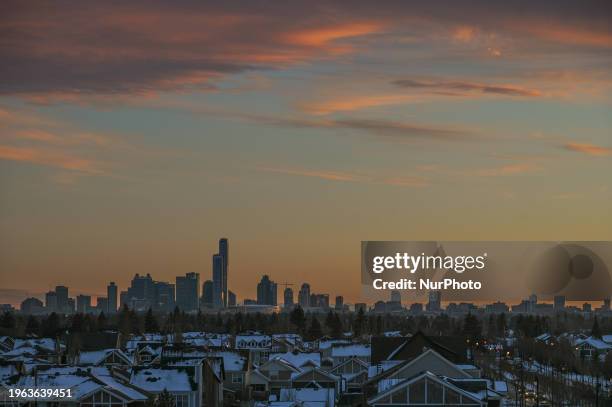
<point x="350" y="177"/>
<point x="321" y="36"/>
<point x="589" y="149"/>
<point x="510" y="169"/>
<point x="464" y="34"/>
<point x="353" y="103"/>
<point x="48" y="158"/>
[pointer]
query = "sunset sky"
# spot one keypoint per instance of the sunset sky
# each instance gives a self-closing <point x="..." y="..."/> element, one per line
<point x="133" y="135"/>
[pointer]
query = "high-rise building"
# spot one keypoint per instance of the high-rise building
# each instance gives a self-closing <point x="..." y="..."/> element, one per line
<point x="319" y="300"/>
<point x="165" y="299"/>
<point x="102" y="304"/>
<point x="51" y="301"/>
<point x="62" y="298"/>
<point x="141" y="293"/>
<point x="606" y="304"/>
<point x="231" y="299"/>
<point x="83" y="303"/>
<point x="361" y="306"/>
<point x="266" y="291"/>
<point x="207" y="294"/>
<point x="188" y="292"/>
<point x="288" y="297"/>
<point x="559" y="303"/>
<point x="435" y="301"/>
<point x="111" y="294"/>
<point x="224" y="253"/>
<point x="396" y="296"/>
<point x="217" y="273"/>
<point x="339" y="303"/>
<point x="304" y="296"/>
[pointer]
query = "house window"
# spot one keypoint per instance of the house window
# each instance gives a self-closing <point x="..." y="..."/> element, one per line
<point x="181" y="400"/>
<point x="237" y="379"/>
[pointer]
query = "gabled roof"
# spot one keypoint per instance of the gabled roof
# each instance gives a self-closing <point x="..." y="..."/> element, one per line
<point x="418" y="377"/>
<point x="351" y="360"/>
<point x="403" y="365"/>
<point x="313" y="371"/>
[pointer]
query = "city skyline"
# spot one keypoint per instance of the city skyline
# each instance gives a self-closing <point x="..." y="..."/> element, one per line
<point x="297" y="130"/>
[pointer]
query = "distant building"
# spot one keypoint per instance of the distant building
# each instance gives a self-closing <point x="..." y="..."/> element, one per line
<point x="111" y="294"/>
<point x="496" y="308"/>
<point x="266" y="291"/>
<point x="288" y="297"/>
<point x="304" y="296"/>
<point x="217" y="275"/>
<point x="141" y="293"/>
<point x="248" y="301"/>
<point x="435" y="301"/>
<point x="559" y="302"/>
<point x="188" y="292"/>
<point x="224" y="253"/>
<point x="51" y="302"/>
<point x="102" y="304"/>
<point x="231" y="299"/>
<point x="339" y="303"/>
<point x="586" y="308"/>
<point x="61" y="293"/>
<point x="361" y="306"/>
<point x="207" y="294"/>
<point x="416" y="308"/>
<point x="165" y="299"/>
<point x="606" y="304"/>
<point x="83" y="303"/>
<point x="31" y="306"/>
<point x="396" y="296"/>
<point x="319" y="300"/>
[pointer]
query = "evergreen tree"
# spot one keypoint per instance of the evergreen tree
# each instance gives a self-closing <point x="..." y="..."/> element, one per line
<point x="101" y="322"/>
<point x="471" y="327"/>
<point x="51" y="325"/>
<point x="596" y="331"/>
<point x="359" y="325"/>
<point x="165" y="399"/>
<point x="336" y="326"/>
<point x="150" y="322"/>
<point x="315" y="331"/>
<point x="7" y="321"/>
<point x="298" y="318"/>
<point x="32" y="326"/>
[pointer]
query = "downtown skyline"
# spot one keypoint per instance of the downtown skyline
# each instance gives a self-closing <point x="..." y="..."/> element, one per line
<point x="298" y="130"/>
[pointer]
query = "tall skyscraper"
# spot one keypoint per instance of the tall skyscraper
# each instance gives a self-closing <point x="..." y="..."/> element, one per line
<point x="559" y="303"/>
<point x="102" y="304"/>
<point x="266" y="291"/>
<point x="51" y="301"/>
<point x="188" y="292"/>
<point x="83" y="303"/>
<point x="339" y="303"/>
<point x="396" y="296"/>
<point x="207" y="294"/>
<point x="231" y="299"/>
<point x="606" y="304"/>
<point x="217" y="273"/>
<point x="62" y="298"/>
<point x="141" y="293"/>
<point x="435" y="301"/>
<point x="164" y="297"/>
<point x="304" y="296"/>
<point x="288" y="297"/>
<point x="224" y="252"/>
<point x="111" y="294"/>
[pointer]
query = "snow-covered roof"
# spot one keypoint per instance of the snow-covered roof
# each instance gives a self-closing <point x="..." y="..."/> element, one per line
<point x="326" y="344"/>
<point x="298" y="359"/>
<point x="44" y="343"/>
<point x="595" y="343"/>
<point x="232" y="361"/>
<point x="356" y="350"/>
<point x="155" y="380"/>
<point x="97" y="356"/>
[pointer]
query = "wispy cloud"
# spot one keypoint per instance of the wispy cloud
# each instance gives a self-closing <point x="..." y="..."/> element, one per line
<point x="589" y="149"/>
<point x="337" y="176"/>
<point x="507" y="170"/>
<point x="352" y="103"/>
<point x="50" y="158"/>
<point x="459" y="88"/>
